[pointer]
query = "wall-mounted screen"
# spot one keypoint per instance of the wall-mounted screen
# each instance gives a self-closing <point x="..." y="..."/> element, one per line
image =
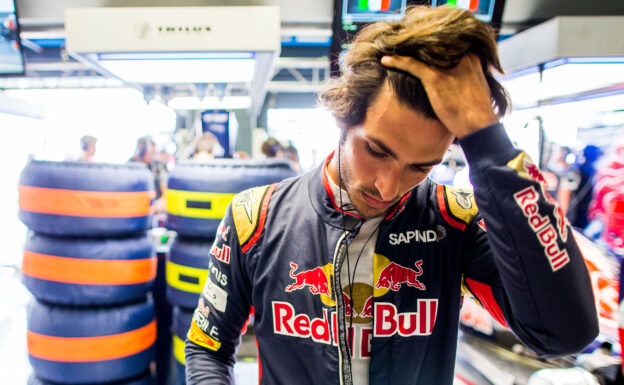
<point x="11" y="53"/>
<point x="364" y="11"/>
<point x="351" y="15"/>
<point x="482" y="9"/>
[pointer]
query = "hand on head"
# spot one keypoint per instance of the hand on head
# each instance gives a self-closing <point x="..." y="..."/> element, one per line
<point x="460" y="96"/>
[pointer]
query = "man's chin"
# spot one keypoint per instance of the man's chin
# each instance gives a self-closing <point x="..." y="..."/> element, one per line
<point x="369" y="212"/>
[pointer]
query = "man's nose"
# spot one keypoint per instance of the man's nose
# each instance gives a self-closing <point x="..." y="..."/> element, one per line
<point x="387" y="183"/>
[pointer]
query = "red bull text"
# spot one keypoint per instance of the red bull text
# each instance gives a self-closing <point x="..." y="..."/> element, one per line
<point x="388" y="322"/>
<point x="543" y="228"/>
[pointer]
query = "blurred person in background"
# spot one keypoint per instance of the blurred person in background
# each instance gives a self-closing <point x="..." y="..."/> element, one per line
<point x="145" y="152"/>
<point x="87" y="147"/>
<point x="290" y="152"/>
<point x="576" y="191"/>
<point x="271" y="148"/>
<point x="556" y="168"/>
<point x="206" y="147"/>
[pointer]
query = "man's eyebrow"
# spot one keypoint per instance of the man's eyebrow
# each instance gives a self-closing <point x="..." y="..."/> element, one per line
<point x="385" y="149"/>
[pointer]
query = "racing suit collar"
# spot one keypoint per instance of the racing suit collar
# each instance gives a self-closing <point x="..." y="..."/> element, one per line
<point x="322" y="199"/>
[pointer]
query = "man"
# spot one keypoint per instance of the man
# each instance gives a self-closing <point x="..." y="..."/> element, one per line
<point x="145" y="152"/>
<point x="206" y="147"/>
<point x="356" y="271"/>
<point x="87" y="147"/>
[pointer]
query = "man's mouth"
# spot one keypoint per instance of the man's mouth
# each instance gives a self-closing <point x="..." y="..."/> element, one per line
<point x="374" y="202"/>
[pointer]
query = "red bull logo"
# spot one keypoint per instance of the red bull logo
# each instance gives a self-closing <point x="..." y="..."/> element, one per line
<point x="388" y="321"/>
<point x="221" y="253"/>
<point x="527" y="169"/>
<point x="367" y="311"/>
<point x="349" y="312"/>
<point x="316" y="280"/>
<point x="202" y="308"/>
<point x="223" y="231"/>
<point x="394" y="276"/>
<point x="547" y="236"/>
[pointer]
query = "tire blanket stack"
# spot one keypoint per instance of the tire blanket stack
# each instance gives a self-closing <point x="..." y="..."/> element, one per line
<point x="89" y="264"/>
<point x="198" y="195"/>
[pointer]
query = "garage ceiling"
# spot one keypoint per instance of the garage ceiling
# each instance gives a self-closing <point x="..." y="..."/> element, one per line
<point x="301" y="67"/>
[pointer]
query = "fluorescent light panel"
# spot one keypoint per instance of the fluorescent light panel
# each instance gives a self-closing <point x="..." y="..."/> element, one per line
<point x="570" y="79"/>
<point x="180" y="67"/>
<point x="210" y="103"/>
<point x="174" y="55"/>
<point x="562" y="78"/>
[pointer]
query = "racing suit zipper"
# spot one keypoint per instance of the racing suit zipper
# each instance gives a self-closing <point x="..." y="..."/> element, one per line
<point x="344" y="354"/>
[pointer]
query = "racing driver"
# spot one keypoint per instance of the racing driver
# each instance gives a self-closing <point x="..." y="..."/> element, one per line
<point x="355" y="271"/>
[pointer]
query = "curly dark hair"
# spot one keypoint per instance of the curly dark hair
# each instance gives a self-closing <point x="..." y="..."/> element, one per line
<point x="439" y="37"/>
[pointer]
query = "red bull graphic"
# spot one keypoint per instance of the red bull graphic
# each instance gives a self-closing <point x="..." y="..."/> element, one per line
<point x="388" y="321"/>
<point x="536" y="175"/>
<point x="223" y="231"/>
<point x="317" y="280"/>
<point x="367" y="311"/>
<point x="527" y="169"/>
<point x="356" y="296"/>
<point x="287" y="322"/>
<point x="202" y="308"/>
<point x="221" y="253"/>
<point x="546" y="234"/>
<point x="394" y="276"/>
<point x="349" y="312"/>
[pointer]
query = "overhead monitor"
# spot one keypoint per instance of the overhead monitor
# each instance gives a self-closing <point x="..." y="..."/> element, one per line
<point x="365" y="11"/>
<point x="351" y="15"/>
<point x="11" y="53"/>
<point x="482" y="9"/>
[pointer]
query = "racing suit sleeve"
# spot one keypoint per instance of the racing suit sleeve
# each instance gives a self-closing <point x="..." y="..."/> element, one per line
<point x="522" y="262"/>
<point x="223" y="308"/>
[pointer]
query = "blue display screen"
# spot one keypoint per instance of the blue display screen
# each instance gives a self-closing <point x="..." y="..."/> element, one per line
<point x="366" y="11"/>
<point x="482" y="9"/>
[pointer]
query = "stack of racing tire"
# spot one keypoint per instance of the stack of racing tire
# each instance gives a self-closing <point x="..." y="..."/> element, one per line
<point x="197" y="198"/>
<point x="89" y="264"/>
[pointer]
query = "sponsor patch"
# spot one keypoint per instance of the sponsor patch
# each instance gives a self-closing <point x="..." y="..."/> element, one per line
<point x="215" y="295"/>
<point x="245" y="212"/>
<point x="317" y="280"/>
<point x="393" y="276"/>
<point x="457" y="206"/>
<point x="223" y="232"/>
<point x="218" y="276"/>
<point x="417" y="236"/>
<point x="324" y="330"/>
<point x="525" y="167"/>
<point x="221" y="253"/>
<point x="463" y="199"/>
<point x="202" y="308"/>
<point x="246" y="199"/>
<point x="388" y="321"/>
<point x="542" y="227"/>
<point x="199" y="337"/>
